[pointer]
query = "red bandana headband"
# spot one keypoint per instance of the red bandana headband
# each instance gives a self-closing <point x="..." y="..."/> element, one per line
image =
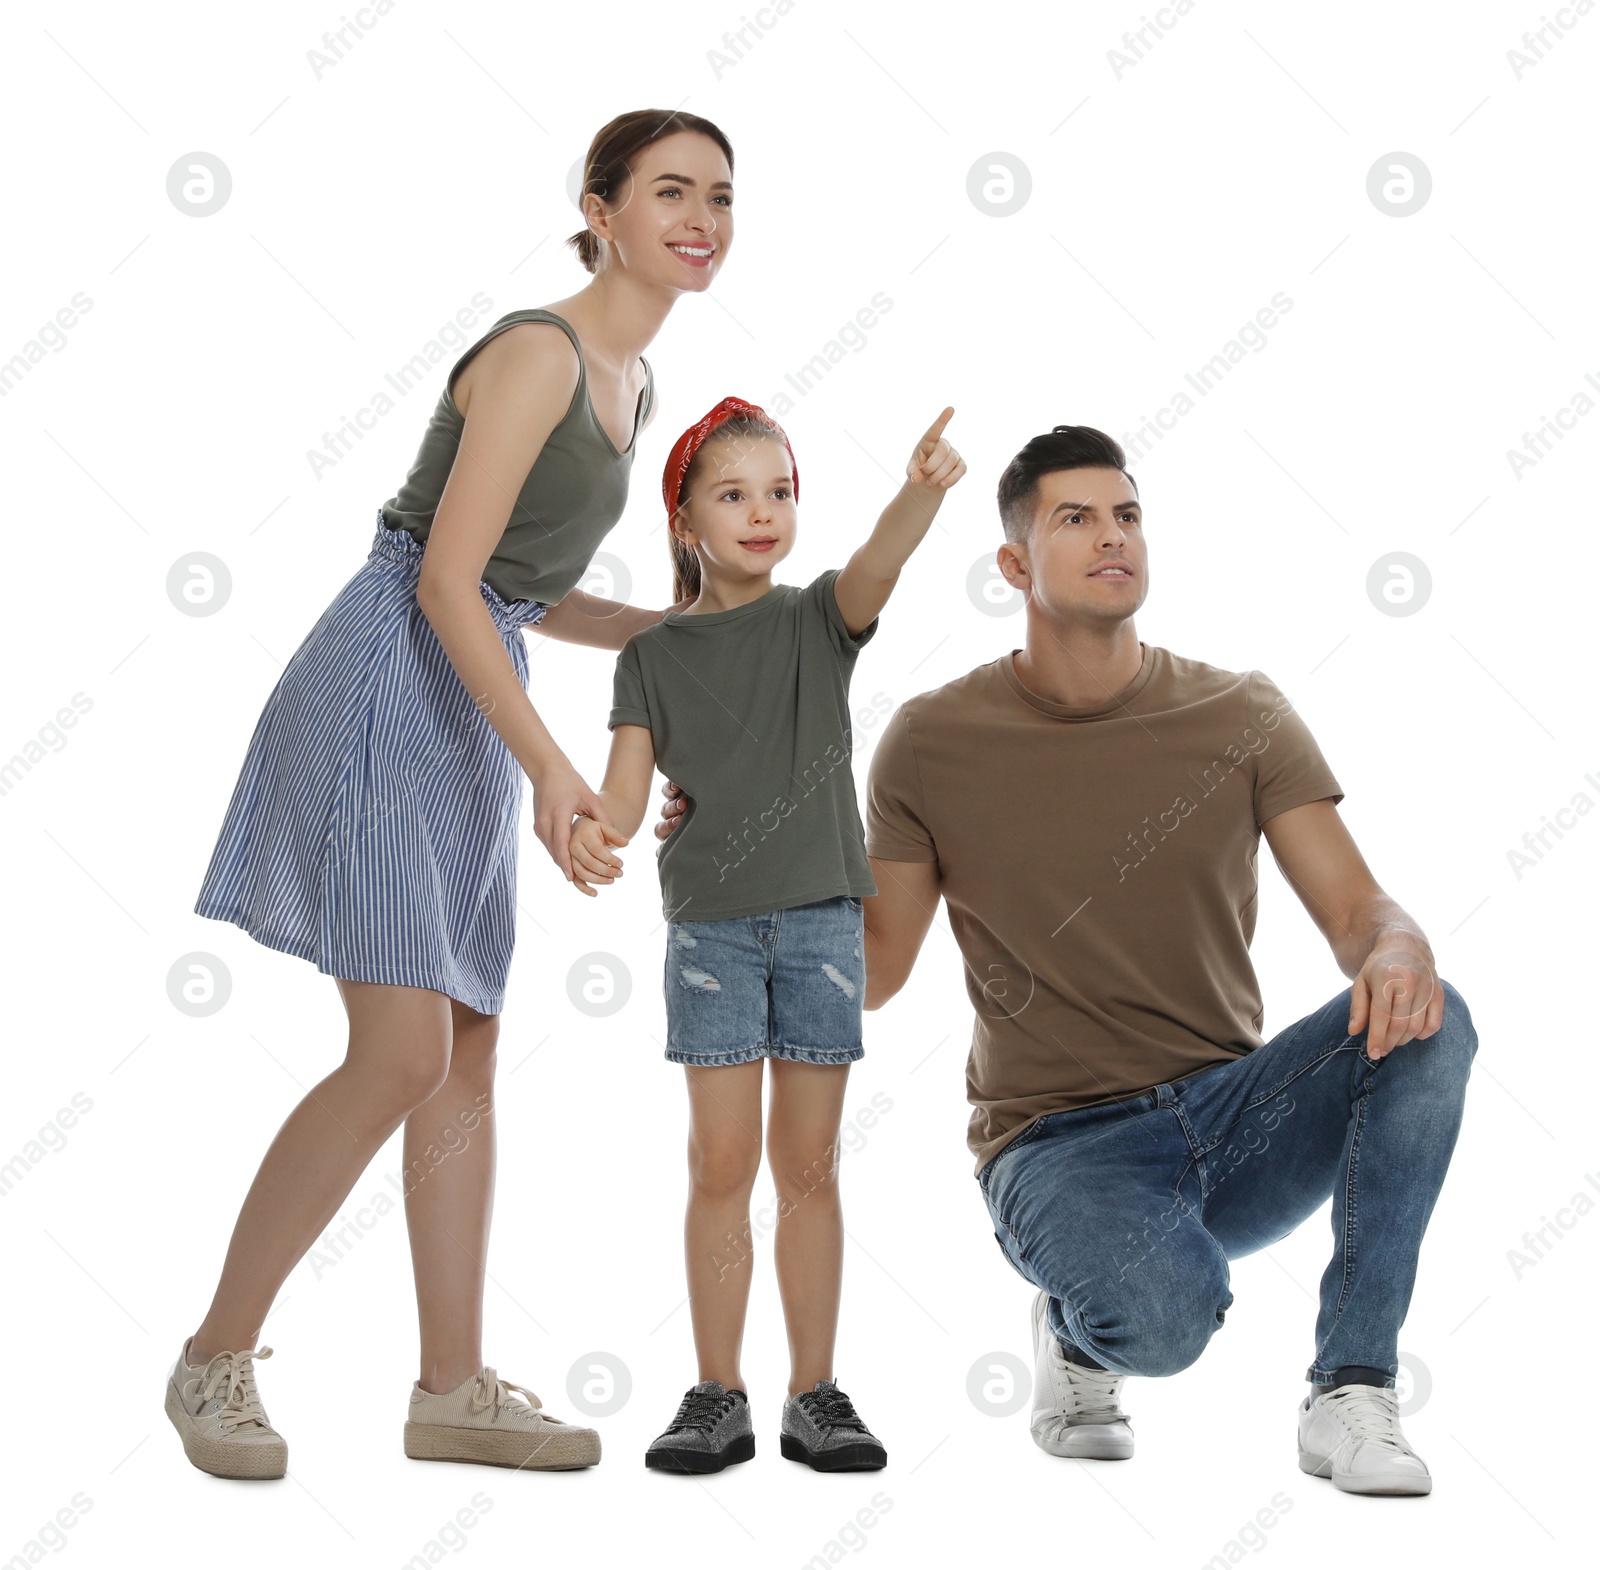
<point x="687" y="445"/>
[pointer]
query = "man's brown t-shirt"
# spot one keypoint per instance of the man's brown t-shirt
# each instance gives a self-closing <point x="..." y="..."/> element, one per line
<point x="1099" y="865"/>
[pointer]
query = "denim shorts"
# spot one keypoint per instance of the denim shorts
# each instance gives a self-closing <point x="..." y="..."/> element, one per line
<point x="783" y="984"/>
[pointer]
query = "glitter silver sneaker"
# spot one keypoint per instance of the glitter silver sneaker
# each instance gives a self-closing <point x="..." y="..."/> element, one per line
<point x="712" y="1430"/>
<point x="822" y="1428"/>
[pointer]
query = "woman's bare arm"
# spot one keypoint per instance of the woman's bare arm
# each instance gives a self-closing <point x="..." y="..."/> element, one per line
<point x="599" y="624"/>
<point x="522" y="385"/>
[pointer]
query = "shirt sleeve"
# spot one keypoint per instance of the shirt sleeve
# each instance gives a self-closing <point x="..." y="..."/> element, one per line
<point x="821" y="599"/>
<point x="897" y="825"/>
<point x="628" y="705"/>
<point x="1290" y="768"/>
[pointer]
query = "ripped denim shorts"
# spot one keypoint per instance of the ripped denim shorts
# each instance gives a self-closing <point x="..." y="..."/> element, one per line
<point x="783" y="984"/>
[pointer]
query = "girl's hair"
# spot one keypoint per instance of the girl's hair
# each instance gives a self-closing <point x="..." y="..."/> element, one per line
<point x="740" y="427"/>
<point x="609" y="164"/>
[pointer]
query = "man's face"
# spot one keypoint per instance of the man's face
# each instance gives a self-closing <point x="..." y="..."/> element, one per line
<point x="1086" y="561"/>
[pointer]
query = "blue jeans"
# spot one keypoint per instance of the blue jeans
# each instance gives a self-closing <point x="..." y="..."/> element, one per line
<point x="1128" y="1212"/>
<point x="784" y="984"/>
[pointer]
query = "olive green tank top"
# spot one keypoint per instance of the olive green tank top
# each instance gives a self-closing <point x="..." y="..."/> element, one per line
<point x="572" y="498"/>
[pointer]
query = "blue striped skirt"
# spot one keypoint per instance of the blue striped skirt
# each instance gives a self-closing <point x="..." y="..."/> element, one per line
<point x="373" y="829"/>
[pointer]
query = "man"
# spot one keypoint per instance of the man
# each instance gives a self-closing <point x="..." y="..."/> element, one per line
<point x="1090" y="807"/>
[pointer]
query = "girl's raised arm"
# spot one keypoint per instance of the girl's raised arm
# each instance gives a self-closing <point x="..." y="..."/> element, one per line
<point x="866" y="581"/>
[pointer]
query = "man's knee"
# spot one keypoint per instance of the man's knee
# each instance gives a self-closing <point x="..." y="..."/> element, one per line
<point x="1445" y="1057"/>
<point x="1458" y="1019"/>
<point x="1151" y="1330"/>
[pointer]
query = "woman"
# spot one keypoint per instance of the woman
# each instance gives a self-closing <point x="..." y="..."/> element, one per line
<point x="373" y="826"/>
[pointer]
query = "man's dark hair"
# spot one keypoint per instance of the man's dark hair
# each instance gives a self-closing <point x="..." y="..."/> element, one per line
<point x="1062" y="447"/>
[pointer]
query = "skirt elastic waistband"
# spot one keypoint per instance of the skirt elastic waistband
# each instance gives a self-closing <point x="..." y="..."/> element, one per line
<point x="404" y="549"/>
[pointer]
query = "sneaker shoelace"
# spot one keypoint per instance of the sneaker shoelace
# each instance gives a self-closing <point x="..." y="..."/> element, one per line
<point x="830" y="1409"/>
<point x="242" y="1401"/>
<point x="493" y="1391"/>
<point x="1091" y="1392"/>
<point x="1371" y="1414"/>
<point x="701" y="1410"/>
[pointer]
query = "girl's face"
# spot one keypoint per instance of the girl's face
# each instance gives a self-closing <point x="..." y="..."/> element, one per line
<point x="739" y="508"/>
<point x="673" y="221"/>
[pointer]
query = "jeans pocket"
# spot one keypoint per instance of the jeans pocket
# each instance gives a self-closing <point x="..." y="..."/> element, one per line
<point x="851" y="903"/>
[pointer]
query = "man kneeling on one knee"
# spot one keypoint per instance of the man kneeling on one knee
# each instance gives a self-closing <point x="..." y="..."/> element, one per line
<point x="1090" y="808"/>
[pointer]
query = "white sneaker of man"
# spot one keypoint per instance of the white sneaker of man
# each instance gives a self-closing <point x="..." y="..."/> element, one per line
<point x="1075" y="1411"/>
<point x="1352" y="1435"/>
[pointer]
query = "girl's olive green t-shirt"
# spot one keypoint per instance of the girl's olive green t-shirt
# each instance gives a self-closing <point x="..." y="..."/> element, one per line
<point x="571" y="499"/>
<point x="749" y="711"/>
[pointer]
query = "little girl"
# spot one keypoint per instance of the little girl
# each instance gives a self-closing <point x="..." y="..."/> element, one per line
<point x="743" y="700"/>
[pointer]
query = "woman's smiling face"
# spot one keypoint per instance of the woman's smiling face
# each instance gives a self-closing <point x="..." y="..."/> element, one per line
<point x="673" y="220"/>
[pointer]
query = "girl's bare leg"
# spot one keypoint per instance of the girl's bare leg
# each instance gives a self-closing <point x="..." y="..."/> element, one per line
<point x="397" y="1057"/>
<point x="724" y="1157"/>
<point x="449" y="1187"/>
<point x="803" y="1154"/>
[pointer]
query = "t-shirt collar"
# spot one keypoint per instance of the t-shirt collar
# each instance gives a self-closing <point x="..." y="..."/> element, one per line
<point x="712" y="618"/>
<point x="1061" y="711"/>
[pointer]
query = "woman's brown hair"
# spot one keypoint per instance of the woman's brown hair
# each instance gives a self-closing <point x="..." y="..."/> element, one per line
<point x="609" y="164"/>
<point x="685" y="564"/>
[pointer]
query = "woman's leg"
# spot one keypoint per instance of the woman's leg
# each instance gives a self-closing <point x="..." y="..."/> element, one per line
<point x="803" y="1154"/>
<point x="724" y="1157"/>
<point x="449" y="1188"/>
<point x="397" y="1058"/>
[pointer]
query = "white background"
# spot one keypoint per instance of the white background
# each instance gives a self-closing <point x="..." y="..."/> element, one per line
<point x="1168" y="205"/>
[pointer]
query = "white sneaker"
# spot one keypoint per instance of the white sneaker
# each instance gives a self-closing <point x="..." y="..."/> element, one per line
<point x="1075" y="1411"/>
<point x="488" y="1420"/>
<point x="218" y="1413"/>
<point x="1352" y="1435"/>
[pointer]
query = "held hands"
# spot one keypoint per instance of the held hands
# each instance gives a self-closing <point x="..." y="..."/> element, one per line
<point x="559" y="792"/>
<point x="592" y="857"/>
<point x="936" y="465"/>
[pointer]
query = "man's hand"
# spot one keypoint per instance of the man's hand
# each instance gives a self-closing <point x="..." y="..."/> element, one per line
<point x="1396" y="996"/>
<point x="591" y="855"/>
<point x="672" y="809"/>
